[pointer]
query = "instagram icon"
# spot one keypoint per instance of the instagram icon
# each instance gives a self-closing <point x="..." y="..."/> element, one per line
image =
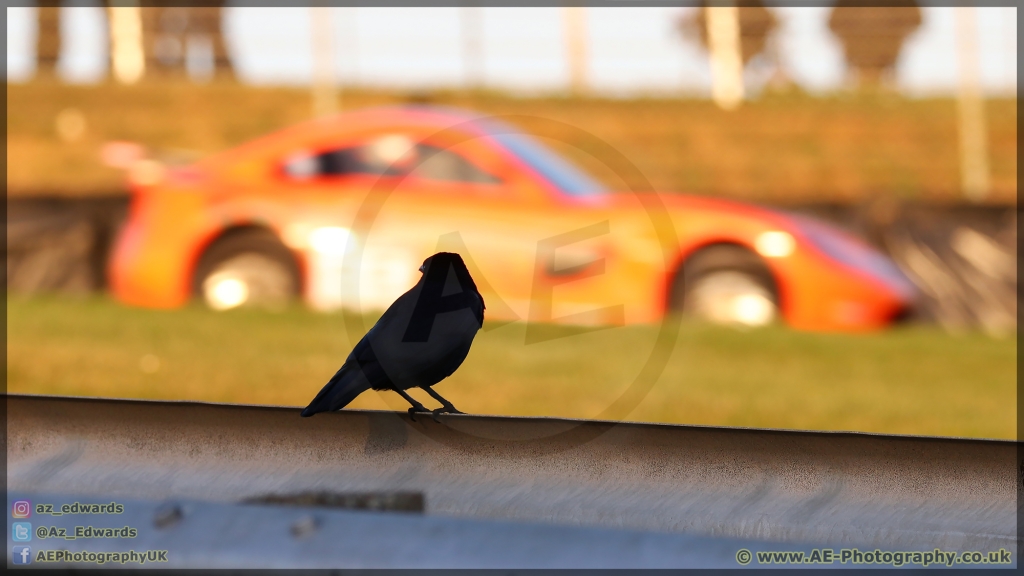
<point x="21" y="509"/>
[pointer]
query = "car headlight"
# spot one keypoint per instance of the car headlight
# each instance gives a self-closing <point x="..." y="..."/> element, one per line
<point x="775" y="244"/>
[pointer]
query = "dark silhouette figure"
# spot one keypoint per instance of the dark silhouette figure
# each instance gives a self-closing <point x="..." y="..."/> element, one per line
<point x="873" y="36"/>
<point x="166" y="31"/>
<point x="756" y="25"/>
<point x="165" y="34"/>
<point x="48" y="40"/>
<point x="421" y="339"/>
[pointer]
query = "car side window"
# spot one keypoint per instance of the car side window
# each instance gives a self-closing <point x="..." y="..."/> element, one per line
<point x="341" y="162"/>
<point x="440" y="164"/>
<point x="391" y="155"/>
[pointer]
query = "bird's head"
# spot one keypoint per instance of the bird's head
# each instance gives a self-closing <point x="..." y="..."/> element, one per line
<point x="444" y="260"/>
<point x="441" y="263"/>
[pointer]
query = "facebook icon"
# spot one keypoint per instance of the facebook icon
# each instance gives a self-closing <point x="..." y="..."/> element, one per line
<point x="21" y="554"/>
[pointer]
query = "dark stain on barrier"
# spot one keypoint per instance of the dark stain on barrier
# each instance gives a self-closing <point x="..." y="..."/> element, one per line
<point x="377" y="501"/>
<point x="167" y="515"/>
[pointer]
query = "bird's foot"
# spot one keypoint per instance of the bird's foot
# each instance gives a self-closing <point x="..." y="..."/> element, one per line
<point x="420" y="408"/>
<point x="444" y="410"/>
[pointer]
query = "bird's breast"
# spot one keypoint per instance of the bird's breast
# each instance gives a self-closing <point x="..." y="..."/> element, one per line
<point x="407" y="364"/>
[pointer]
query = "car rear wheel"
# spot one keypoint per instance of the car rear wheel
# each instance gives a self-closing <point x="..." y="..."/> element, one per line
<point x="726" y="284"/>
<point x="248" y="268"/>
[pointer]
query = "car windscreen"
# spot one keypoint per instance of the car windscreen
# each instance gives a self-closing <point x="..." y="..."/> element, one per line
<point x="568" y="178"/>
<point x="405" y="157"/>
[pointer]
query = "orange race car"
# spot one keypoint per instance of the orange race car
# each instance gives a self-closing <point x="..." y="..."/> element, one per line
<point x="341" y="211"/>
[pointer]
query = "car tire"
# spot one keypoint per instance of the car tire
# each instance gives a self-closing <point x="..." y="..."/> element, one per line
<point x="249" y="268"/>
<point x="726" y="284"/>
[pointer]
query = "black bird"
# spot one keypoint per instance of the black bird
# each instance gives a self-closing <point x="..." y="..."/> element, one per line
<point x="421" y="339"/>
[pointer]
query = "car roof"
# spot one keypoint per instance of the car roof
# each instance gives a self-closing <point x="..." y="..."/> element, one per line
<point x="437" y="117"/>
<point x="551" y="167"/>
<point x="440" y="116"/>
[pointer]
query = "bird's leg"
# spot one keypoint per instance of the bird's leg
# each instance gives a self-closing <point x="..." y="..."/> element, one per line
<point x="416" y="406"/>
<point x="447" y="407"/>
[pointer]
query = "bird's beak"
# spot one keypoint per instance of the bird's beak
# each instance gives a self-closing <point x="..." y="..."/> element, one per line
<point x="423" y="268"/>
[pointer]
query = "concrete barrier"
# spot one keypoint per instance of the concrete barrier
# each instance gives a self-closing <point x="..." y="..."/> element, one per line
<point x="891" y="492"/>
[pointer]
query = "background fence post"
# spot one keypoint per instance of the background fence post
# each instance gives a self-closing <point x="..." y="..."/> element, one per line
<point x="970" y="107"/>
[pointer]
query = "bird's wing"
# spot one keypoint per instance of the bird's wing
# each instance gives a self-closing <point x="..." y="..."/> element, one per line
<point x="407" y="363"/>
<point x="360" y="372"/>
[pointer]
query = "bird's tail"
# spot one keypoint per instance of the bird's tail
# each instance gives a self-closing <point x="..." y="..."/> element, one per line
<point x="341" y="389"/>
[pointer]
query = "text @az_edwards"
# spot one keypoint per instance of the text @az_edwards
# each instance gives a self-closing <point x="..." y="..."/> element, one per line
<point x="79" y="508"/>
<point x="84" y="532"/>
